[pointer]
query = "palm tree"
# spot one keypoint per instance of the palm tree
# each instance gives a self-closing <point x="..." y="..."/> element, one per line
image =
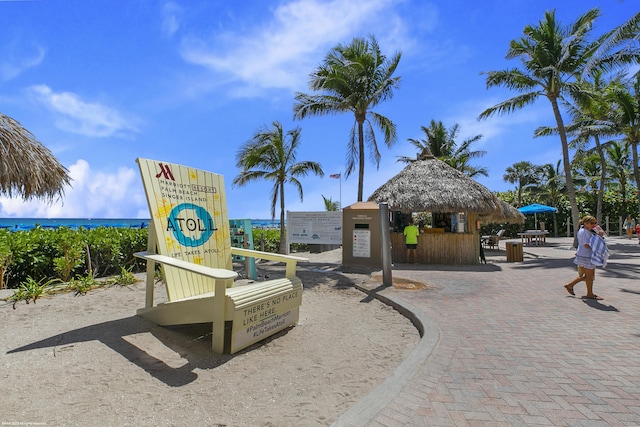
<point x="553" y="185"/>
<point x="441" y="142"/>
<point x="524" y="174"/>
<point x="330" y="205"/>
<point x="271" y="155"/>
<point x="27" y="168"/>
<point x="354" y="78"/>
<point x="591" y="119"/>
<point x="551" y="57"/>
<point x="618" y="159"/>
<point x="589" y="167"/>
<point x="626" y="102"/>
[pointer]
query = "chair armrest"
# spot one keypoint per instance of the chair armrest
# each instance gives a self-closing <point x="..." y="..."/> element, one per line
<point x="289" y="260"/>
<point x="215" y="273"/>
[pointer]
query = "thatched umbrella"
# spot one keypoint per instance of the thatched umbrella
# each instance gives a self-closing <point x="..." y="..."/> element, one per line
<point x="430" y="185"/>
<point x="509" y="215"/>
<point x="27" y="168"/>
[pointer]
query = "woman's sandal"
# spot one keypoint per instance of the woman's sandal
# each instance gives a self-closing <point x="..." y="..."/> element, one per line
<point x="594" y="296"/>
<point x="569" y="289"/>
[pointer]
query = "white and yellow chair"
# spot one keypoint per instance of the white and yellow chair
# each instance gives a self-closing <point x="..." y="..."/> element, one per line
<point x="189" y="237"/>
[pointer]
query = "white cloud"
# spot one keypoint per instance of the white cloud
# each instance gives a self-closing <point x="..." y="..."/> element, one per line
<point x="283" y="52"/>
<point x="93" y="195"/>
<point x="17" y="59"/>
<point x="77" y="116"/>
<point x="171" y="18"/>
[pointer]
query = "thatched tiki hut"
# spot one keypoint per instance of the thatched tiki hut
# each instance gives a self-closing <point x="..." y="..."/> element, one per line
<point x="455" y="202"/>
<point x="27" y="168"/>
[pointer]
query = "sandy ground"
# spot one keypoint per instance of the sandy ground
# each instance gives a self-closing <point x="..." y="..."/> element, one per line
<point x="89" y="361"/>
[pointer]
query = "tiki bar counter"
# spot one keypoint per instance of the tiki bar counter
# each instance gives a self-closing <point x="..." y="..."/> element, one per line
<point x="437" y="245"/>
<point x="446" y="205"/>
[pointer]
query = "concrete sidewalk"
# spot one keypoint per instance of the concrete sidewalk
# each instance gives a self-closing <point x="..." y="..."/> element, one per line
<point x="505" y="344"/>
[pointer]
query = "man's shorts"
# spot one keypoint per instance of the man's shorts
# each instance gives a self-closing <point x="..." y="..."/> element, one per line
<point x="410" y="246"/>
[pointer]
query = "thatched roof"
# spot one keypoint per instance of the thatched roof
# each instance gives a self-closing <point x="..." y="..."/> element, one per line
<point x="509" y="215"/>
<point x="27" y="168"/>
<point x="430" y="185"/>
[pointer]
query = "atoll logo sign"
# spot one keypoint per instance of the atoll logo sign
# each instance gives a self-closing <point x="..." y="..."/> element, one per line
<point x="190" y="231"/>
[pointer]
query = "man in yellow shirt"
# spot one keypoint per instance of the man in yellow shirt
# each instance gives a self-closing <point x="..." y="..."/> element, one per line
<point x="411" y="233"/>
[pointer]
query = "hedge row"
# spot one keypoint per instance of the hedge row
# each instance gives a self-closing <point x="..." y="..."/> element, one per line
<point x="63" y="253"/>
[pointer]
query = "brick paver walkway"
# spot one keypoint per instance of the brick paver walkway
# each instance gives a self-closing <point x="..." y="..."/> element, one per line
<point x="515" y="349"/>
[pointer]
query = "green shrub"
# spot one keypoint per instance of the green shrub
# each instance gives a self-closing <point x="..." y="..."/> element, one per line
<point x="31" y="290"/>
<point x="82" y="284"/>
<point x="125" y="278"/>
<point x="64" y="253"/>
<point x="79" y="256"/>
<point x="271" y="238"/>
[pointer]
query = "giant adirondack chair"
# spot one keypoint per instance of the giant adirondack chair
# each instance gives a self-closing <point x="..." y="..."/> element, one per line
<point x="189" y="237"/>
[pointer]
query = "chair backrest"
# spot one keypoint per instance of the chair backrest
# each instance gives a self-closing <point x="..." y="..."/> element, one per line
<point x="188" y="221"/>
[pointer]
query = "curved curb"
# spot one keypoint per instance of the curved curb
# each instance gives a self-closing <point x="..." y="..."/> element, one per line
<point x="363" y="411"/>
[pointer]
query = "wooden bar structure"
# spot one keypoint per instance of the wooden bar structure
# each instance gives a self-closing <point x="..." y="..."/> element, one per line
<point x="429" y="185"/>
<point x="439" y="248"/>
<point x="435" y="246"/>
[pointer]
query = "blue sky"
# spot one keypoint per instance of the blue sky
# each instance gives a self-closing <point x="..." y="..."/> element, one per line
<point x="103" y="82"/>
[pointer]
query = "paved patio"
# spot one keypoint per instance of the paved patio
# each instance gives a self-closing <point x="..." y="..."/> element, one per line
<point x="506" y="345"/>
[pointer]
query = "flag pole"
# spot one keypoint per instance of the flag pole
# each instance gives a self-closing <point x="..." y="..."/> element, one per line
<point x="338" y="176"/>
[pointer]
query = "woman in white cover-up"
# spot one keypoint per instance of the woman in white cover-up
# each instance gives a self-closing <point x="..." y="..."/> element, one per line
<point x="586" y="269"/>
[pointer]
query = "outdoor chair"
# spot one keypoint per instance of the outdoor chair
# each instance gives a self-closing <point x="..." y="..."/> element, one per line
<point x="494" y="240"/>
<point x="189" y="237"/>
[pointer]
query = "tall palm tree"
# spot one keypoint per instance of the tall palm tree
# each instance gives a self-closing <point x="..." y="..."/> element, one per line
<point x="619" y="161"/>
<point x="591" y="119"/>
<point x="626" y="102"/>
<point x="354" y="78"/>
<point x="524" y="175"/>
<point x="441" y="142"/>
<point x="27" y="168"/>
<point x="551" y="57"/>
<point x="271" y="155"/>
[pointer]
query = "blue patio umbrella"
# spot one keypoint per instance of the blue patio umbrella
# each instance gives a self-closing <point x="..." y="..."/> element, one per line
<point x="535" y="209"/>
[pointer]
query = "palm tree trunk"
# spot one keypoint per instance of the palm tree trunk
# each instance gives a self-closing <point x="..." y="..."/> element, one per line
<point x="361" y="158"/>
<point x="575" y="215"/>
<point x="603" y="177"/>
<point x="283" y="235"/>
<point x="636" y="172"/>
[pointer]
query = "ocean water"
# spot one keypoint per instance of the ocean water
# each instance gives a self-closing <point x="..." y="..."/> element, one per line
<point x="19" y="224"/>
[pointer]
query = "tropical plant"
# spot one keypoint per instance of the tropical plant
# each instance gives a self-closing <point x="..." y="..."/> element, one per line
<point x="125" y="278"/>
<point x="31" y="290"/>
<point x="271" y="155"/>
<point x="524" y="175"/>
<point x="82" y="284"/>
<point x="5" y="261"/>
<point x="354" y="78"/>
<point x="71" y="246"/>
<point x="441" y="142"/>
<point x="552" y="58"/>
<point x="625" y="100"/>
<point x="552" y="187"/>
<point x="619" y="161"/>
<point x="41" y="252"/>
<point x="330" y="205"/>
